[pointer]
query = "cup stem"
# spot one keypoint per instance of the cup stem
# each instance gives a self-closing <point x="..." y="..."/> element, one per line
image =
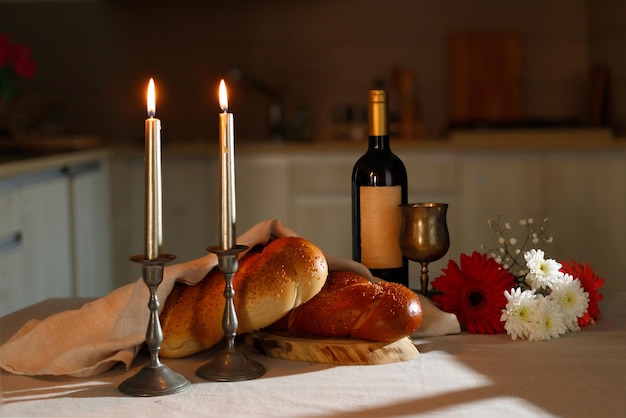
<point x="424" y="278"/>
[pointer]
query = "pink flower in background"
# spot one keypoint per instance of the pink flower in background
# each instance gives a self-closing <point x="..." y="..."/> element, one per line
<point x="15" y="62"/>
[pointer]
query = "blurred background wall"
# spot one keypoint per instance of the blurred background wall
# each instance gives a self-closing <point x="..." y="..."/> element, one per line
<point x="95" y="58"/>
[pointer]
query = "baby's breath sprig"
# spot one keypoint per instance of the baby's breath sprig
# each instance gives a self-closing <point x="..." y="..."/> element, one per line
<point x="509" y="250"/>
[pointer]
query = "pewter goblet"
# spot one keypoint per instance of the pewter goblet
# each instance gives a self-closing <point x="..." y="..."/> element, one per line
<point x="424" y="235"/>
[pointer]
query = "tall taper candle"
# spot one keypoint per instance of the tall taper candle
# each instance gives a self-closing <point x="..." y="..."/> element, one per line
<point x="227" y="173"/>
<point x="153" y="202"/>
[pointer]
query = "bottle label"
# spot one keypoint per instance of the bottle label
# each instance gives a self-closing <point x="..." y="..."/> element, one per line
<point x="381" y="221"/>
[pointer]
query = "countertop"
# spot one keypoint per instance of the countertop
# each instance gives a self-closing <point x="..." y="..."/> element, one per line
<point x="18" y="164"/>
<point x="525" y="140"/>
<point x="47" y="154"/>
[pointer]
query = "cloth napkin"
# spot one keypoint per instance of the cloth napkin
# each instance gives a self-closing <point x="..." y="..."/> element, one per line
<point x="111" y="330"/>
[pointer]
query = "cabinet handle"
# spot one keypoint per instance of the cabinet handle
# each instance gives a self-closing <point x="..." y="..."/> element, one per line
<point x="76" y="170"/>
<point x="10" y="241"/>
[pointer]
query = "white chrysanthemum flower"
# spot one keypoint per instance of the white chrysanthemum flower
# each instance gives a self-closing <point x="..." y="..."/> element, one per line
<point x="507" y="225"/>
<point x="518" y="312"/>
<point x="571" y="298"/>
<point x="541" y="272"/>
<point x="548" y="320"/>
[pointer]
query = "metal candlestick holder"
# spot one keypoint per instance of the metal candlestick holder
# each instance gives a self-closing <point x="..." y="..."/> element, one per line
<point x="230" y="365"/>
<point x="155" y="378"/>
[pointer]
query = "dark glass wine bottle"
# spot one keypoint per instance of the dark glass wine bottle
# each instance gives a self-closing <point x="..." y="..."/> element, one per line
<point x="379" y="186"/>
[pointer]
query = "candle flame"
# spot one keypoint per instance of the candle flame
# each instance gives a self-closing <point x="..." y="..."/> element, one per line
<point x="223" y="96"/>
<point x="151" y="99"/>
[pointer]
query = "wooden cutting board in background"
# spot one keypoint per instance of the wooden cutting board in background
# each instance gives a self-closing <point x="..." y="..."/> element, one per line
<point x="485" y="78"/>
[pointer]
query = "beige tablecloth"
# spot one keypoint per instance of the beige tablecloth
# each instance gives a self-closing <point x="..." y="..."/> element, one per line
<point x="581" y="374"/>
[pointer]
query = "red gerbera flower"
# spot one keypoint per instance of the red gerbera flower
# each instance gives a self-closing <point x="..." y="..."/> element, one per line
<point x="474" y="292"/>
<point x="591" y="282"/>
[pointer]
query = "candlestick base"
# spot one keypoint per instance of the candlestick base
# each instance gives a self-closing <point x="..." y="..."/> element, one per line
<point x="230" y="365"/>
<point x="155" y="378"/>
<point x="154" y="381"/>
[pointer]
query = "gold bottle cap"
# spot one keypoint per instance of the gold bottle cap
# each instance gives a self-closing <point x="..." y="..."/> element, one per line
<point x="378" y="110"/>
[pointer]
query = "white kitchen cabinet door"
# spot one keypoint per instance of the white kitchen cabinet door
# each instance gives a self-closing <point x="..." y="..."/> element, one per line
<point x="263" y="188"/>
<point x="13" y="289"/>
<point x="190" y="206"/>
<point x="91" y="229"/>
<point x="46" y="239"/>
<point x="497" y="184"/>
<point x="585" y="196"/>
<point x="321" y="200"/>
<point x="326" y="222"/>
<point x="127" y="186"/>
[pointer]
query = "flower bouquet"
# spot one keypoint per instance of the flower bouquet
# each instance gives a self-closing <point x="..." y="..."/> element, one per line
<point x="534" y="299"/>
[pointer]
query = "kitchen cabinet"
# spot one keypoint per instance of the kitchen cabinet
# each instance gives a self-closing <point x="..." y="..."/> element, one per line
<point x="11" y="252"/>
<point x="585" y="195"/>
<point x="39" y="265"/>
<point x="308" y="191"/>
<point x="263" y="188"/>
<point x="127" y="197"/>
<point x="496" y="184"/>
<point x="90" y="212"/>
<point x="55" y="230"/>
<point x="582" y="191"/>
<point x="320" y="200"/>
<point x="190" y="207"/>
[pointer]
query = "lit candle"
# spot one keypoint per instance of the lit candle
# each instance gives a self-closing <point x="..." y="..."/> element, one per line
<point x="227" y="173"/>
<point x="153" y="203"/>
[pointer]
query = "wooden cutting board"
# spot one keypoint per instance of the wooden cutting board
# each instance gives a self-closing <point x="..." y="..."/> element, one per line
<point x="485" y="78"/>
<point x="331" y="350"/>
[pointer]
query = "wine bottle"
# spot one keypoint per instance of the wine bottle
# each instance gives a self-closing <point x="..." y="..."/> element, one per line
<point x="379" y="186"/>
